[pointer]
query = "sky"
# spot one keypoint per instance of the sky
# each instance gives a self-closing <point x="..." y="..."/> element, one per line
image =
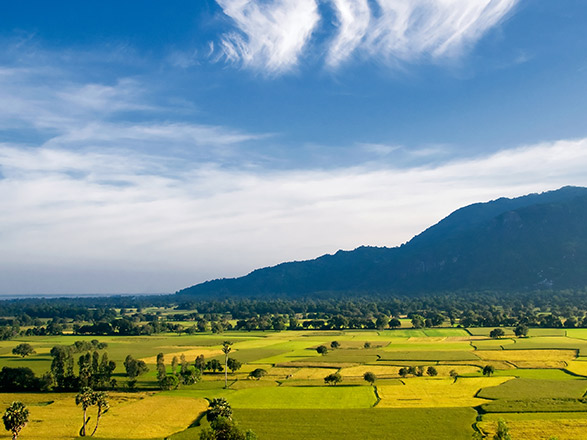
<point x="147" y="146"/>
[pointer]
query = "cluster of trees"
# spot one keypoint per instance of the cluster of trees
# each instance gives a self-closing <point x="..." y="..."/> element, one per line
<point x="94" y="370"/>
<point x="125" y="315"/>
<point x="417" y="371"/>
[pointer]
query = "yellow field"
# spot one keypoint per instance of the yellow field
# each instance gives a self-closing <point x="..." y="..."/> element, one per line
<point x="438" y="393"/>
<point x="382" y="371"/>
<point x="190" y="354"/>
<point x="530" y="358"/>
<point x="498" y="365"/>
<point x="313" y="373"/>
<point x="281" y="372"/>
<point x="130" y="415"/>
<point x="578" y="367"/>
<point x="567" y="429"/>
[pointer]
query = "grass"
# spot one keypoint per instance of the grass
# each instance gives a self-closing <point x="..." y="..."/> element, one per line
<point x="540" y="429"/>
<point x="532" y="389"/>
<point x="293" y="401"/>
<point x="428" y="355"/>
<point x="531" y="373"/>
<point x="359" y="424"/>
<point x="578" y="367"/>
<point x="530" y="358"/>
<point x="130" y="415"/>
<point x="436" y="393"/>
<point x="536" y="406"/>
<point x="267" y="395"/>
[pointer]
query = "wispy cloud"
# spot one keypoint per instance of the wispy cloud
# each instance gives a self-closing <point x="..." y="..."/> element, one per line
<point x="271" y="35"/>
<point x="353" y="23"/>
<point x="117" y="211"/>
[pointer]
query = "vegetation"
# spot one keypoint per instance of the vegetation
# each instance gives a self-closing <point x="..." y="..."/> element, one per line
<point x="370" y="377"/>
<point x="15" y="418"/>
<point x="436" y="369"/>
<point x="333" y="379"/>
<point x="23" y="350"/>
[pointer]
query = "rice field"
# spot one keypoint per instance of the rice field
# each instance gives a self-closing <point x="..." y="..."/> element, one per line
<point x="539" y="385"/>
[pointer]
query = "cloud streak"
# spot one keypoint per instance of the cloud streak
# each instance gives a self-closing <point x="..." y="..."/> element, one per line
<point x="116" y="212"/>
<point x="274" y="36"/>
<point x="271" y="35"/>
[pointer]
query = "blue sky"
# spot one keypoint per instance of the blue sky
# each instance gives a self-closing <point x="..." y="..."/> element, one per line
<point x="145" y="147"/>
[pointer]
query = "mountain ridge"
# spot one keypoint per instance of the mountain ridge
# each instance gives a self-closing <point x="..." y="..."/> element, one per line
<point x="531" y="242"/>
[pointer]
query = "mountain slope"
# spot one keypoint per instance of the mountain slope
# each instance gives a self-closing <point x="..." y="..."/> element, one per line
<point x="526" y="243"/>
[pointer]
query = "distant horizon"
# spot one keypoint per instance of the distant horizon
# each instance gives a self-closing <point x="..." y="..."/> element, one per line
<point x="161" y="146"/>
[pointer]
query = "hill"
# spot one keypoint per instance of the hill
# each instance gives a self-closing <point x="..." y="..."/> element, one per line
<point x="538" y="241"/>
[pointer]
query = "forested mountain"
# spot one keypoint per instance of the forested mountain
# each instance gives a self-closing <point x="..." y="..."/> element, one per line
<point x="538" y="241"/>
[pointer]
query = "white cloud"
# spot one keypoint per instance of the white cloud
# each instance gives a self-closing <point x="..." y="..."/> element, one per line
<point x="353" y="22"/>
<point x="272" y="35"/>
<point x="120" y="213"/>
<point x="409" y="29"/>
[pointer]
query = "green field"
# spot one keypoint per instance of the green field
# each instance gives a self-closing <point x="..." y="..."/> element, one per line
<point x="539" y="379"/>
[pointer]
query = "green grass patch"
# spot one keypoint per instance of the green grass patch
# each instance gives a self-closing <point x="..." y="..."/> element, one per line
<point x="538" y="373"/>
<point x="532" y="389"/>
<point x="424" y="333"/>
<point x="448" y="355"/>
<point x="335" y="397"/>
<point x="359" y="424"/>
<point x="535" y="405"/>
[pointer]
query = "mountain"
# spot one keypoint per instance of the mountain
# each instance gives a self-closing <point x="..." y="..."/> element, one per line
<point x="538" y="241"/>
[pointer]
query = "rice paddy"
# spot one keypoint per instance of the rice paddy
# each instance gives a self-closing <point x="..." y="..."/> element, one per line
<point x="539" y="385"/>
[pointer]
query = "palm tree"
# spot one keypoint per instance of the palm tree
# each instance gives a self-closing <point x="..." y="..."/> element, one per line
<point x="103" y="407"/>
<point x="86" y="398"/>
<point x="226" y="349"/>
<point x="15" y="418"/>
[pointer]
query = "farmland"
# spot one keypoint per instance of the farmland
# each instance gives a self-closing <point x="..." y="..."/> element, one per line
<point x="538" y="386"/>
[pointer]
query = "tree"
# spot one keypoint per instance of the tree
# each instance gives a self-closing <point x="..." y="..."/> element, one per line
<point x="15" y="418"/>
<point x="367" y="345"/>
<point x="101" y="400"/>
<point x="85" y="398"/>
<point x="370" y="377"/>
<point x="488" y="370"/>
<point x="257" y="373"/>
<point x="169" y="382"/>
<point x="395" y="323"/>
<point x="503" y="432"/>
<point x="213" y="365"/>
<point x="18" y="379"/>
<point x="233" y="364"/>
<point x="321" y="349"/>
<point x="334" y="344"/>
<point x="226" y="429"/>
<point x="333" y="379"/>
<point x="521" y="331"/>
<point x="403" y="371"/>
<point x="134" y="368"/>
<point x="226" y="349"/>
<point x="23" y="350"/>
<point x="454" y="373"/>
<point x="418" y="321"/>
<point x="161" y="371"/>
<point x="381" y="322"/>
<point x="219" y="407"/>
<point x="431" y="371"/>
<point x="200" y="362"/>
<point x="496" y="333"/>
